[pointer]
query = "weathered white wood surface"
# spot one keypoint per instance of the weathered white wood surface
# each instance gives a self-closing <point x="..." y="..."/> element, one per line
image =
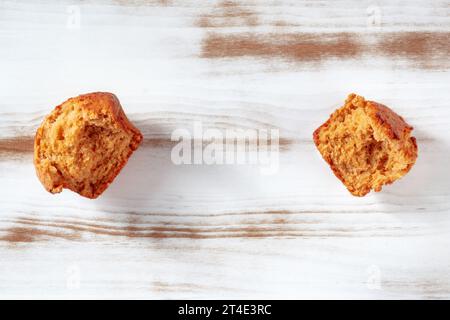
<point x="166" y="231"/>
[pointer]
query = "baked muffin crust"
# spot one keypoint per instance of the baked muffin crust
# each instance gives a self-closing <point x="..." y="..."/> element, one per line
<point x="84" y="144"/>
<point x="366" y="144"/>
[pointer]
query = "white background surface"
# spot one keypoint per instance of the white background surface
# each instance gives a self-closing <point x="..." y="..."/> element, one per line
<point x="163" y="231"/>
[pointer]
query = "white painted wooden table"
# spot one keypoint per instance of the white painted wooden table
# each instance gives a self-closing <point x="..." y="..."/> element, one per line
<point x="164" y="231"/>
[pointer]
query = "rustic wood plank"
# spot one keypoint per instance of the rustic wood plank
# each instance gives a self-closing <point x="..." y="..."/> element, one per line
<point x="167" y="231"/>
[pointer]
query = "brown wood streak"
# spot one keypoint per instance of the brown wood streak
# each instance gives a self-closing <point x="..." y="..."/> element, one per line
<point x="161" y="286"/>
<point x="27" y="229"/>
<point x="297" y="47"/>
<point x="428" y="288"/>
<point x="33" y="231"/>
<point x="228" y="14"/>
<point x="30" y="234"/>
<point x="18" y="147"/>
<point x="139" y="3"/>
<point x="427" y="50"/>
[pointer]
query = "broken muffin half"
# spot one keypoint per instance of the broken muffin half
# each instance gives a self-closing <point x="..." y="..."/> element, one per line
<point x="366" y="144"/>
<point x="83" y="144"/>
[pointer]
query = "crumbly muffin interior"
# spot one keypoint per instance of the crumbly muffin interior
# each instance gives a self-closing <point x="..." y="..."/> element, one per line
<point x="360" y="152"/>
<point x="81" y="150"/>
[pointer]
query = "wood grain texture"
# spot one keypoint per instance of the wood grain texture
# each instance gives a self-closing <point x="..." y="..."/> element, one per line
<point x="225" y="231"/>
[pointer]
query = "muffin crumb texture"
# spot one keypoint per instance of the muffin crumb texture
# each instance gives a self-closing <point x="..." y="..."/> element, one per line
<point x="366" y="144"/>
<point x="83" y="144"/>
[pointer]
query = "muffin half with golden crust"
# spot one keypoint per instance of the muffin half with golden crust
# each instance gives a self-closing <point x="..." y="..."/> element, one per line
<point x="84" y="144"/>
<point x="366" y="144"/>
